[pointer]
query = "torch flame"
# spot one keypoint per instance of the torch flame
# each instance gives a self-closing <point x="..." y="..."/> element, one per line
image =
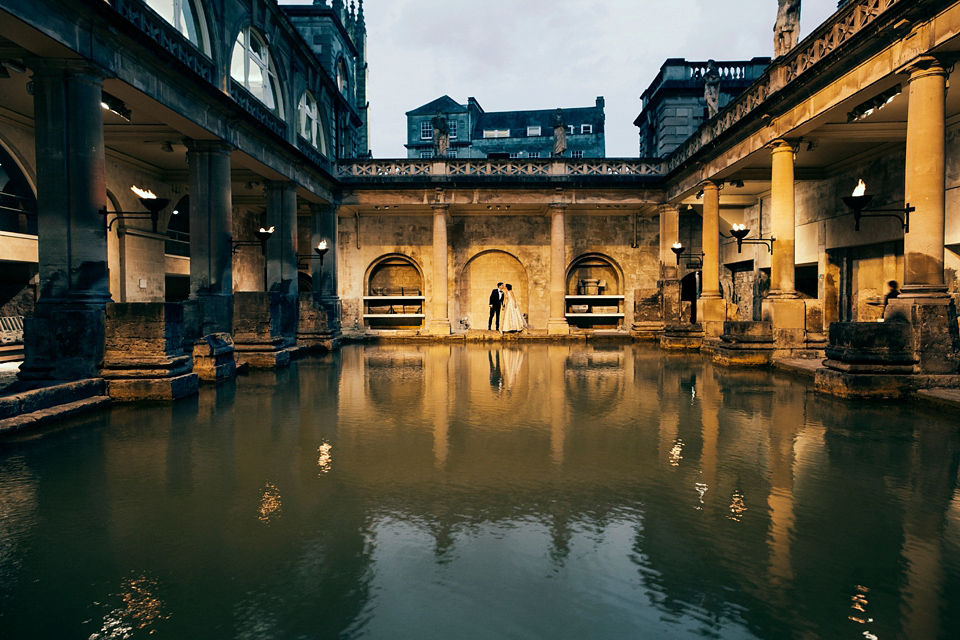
<point x="739" y="227"/>
<point x="860" y="190"/>
<point x="143" y="194"/>
<point x="677" y="245"/>
<point x="322" y="245"/>
<point x="270" y="230"/>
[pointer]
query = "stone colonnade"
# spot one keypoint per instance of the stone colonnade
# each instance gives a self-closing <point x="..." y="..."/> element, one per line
<point x="76" y="331"/>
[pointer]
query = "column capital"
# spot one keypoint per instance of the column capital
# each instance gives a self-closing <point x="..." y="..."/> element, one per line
<point x="207" y="146"/>
<point x="58" y="67"/>
<point x="667" y="207"/>
<point x="782" y="145"/>
<point x="279" y="184"/>
<point x="710" y="184"/>
<point x="557" y="207"/>
<point x="928" y="66"/>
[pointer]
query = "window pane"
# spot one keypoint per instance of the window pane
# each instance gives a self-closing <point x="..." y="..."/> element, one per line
<point x="190" y="23"/>
<point x="164" y="8"/>
<point x="255" y="80"/>
<point x="237" y="60"/>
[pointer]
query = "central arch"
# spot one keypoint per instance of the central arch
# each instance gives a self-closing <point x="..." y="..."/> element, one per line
<point x="480" y="276"/>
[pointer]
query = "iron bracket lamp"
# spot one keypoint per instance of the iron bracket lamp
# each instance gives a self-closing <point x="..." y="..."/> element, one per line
<point x="694" y="260"/>
<point x="320" y="250"/>
<point x="859" y="205"/>
<point x="153" y="205"/>
<point x="740" y="232"/>
<point x="678" y="248"/>
<point x="262" y="236"/>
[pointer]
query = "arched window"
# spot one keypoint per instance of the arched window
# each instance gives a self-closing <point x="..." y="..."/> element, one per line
<point x="309" y="125"/>
<point x="252" y="67"/>
<point x="18" y="205"/>
<point x="343" y="80"/>
<point x="186" y="17"/>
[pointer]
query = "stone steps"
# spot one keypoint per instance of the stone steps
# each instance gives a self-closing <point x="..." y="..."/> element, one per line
<point x="30" y="409"/>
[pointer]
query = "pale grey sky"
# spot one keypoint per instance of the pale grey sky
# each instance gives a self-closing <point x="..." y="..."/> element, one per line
<point x="540" y="54"/>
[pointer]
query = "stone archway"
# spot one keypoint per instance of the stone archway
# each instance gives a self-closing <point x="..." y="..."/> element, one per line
<point x="480" y="276"/>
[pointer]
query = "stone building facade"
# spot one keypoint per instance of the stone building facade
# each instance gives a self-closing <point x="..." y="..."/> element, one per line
<point x="475" y="133"/>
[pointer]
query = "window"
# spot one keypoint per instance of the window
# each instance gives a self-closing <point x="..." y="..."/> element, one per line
<point x="252" y="67"/>
<point x="514" y="154"/>
<point x="533" y="131"/>
<point x="571" y="129"/>
<point x="185" y="18"/>
<point x="586" y="128"/>
<point x="343" y="80"/>
<point x="426" y="154"/>
<point x="576" y="154"/>
<point x="452" y="128"/>
<point x="309" y="125"/>
<point x="426" y="130"/>
<point x="496" y="133"/>
<point x="451" y="153"/>
<point x="534" y="154"/>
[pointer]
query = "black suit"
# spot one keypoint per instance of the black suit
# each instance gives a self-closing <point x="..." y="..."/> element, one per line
<point x="496" y="302"/>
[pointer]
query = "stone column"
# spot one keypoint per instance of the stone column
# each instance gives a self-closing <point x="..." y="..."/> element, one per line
<point x="440" y="323"/>
<point x="211" y="233"/>
<point x="557" y="324"/>
<point x="669" y="269"/>
<point x="65" y="338"/>
<point x="713" y="309"/>
<point x="782" y="306"/>
<point x="924" y="301"/>
<point x="281" y="258"/>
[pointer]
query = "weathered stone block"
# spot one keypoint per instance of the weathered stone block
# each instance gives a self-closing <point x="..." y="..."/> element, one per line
<point x="747" y="332"/>
<point x="124" y="390"/>
<point x="213" y="357"/>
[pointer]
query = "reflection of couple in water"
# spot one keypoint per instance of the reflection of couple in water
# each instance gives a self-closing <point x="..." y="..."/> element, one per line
<point x="503" y="378"/>
<point x="502" y="297"/>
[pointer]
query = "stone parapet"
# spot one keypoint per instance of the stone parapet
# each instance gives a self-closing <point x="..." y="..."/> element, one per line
<point x="745" y="344"/>
<point x="213" y="357"/>
<point x="682" y="337"/>
<point x="314" y="331"/>
<point x="264" y="328"/>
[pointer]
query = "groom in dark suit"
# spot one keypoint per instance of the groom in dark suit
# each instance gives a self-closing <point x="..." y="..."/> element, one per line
<point x="496" y="302"/>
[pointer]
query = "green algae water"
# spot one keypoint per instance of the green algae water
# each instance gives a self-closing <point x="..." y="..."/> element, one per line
<point x="456" y="492"/>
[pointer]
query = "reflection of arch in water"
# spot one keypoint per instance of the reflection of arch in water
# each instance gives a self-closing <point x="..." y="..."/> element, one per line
<point x="595" y="266"/>
<point x="395" y="381"/>
<point x="393" y="274"/>
<point x="480" y="276"/>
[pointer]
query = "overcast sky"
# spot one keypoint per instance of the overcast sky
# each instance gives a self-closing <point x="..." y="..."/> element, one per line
<point x="543" y="54"/>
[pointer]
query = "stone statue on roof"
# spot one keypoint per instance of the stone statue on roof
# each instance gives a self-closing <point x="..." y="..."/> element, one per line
<point x="787" y="27"/>
<point x="441" y="135"/>
<point x="559" y="135"/>
<point x="711" y="89"/>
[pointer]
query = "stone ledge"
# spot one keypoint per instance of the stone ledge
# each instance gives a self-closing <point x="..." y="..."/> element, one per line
<point x="131" y="389"/>
<point x="879" y="385"/>
<point x="51" y="414"/>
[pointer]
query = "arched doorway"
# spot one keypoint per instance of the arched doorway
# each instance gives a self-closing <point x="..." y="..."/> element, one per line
<point x="594" y="292"/>
<point x="480" y="276"/>
<point x="393" y="293"/>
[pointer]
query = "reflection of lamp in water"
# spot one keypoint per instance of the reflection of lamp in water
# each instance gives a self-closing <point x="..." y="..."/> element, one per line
<point x="324" y="459"/>
<point x="737" y="506"/>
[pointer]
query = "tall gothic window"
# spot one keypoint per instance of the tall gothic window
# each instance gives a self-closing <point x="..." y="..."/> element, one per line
<point x="186" y="17"/>
<point x="310" y="127"/>
<point x="343" y="80"/>
<point x="252" y="67"/>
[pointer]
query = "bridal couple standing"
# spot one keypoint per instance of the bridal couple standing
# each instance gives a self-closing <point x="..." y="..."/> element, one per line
<point x="502" y="298"/>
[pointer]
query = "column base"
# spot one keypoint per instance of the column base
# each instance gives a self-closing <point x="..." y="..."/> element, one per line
<point x="440" y="328"/>
<point x="213" y="358"/>
<point x="557" y="327"/>
<point x="935" y="339"/>
<point x="845" y="384"/>
<point x="681" y="337"/>
<point x="712" y="314"/>
<point x="63" y="340"/>
<point x="646" y="331"/>
<point x="745" y="344"/>
<point x="274" y="356"/>
<point x="788" y="317"/>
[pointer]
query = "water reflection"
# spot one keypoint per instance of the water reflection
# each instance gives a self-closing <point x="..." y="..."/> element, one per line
<point x="540" y="491"/>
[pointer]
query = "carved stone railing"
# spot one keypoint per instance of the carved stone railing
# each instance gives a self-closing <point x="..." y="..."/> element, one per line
<point x="165" y="35"/>
<point x="824" y="41"/>
<point x="481" y="168"/>
<point x="257" y="109"/>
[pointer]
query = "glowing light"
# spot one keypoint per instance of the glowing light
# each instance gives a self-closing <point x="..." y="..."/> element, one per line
<point x="269" y="503"/>
<point x="860" y="190"/>
<point x="270" y="230"/>
<point x="675" y="453"/>
<point x="149" y="195"/>
<point x="860" y="603"/>
<point x="701" y="490"/>
<point x="737" y="507"/>
<point x="324" y="461"/>
<point x="739" y="227"/>
<point x="141" y="609"/>
<point x="322" y="246"/>
<point x="677" y="245"/>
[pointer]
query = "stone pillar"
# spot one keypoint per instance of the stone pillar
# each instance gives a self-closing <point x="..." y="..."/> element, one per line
<point x="557" y="324"/>
<point x="782" y="307"/>
<point x="924" y="182"/>
<point x="713" y="309"/>
<point x="64" y="340"/>
<point x="211" y="234"/>
<point x="326" y="284"/>
<point x="440" y="323"/>
<point x="924" y="300"/>
<point x="281" y="258"/>
<point x="669" y="269"/>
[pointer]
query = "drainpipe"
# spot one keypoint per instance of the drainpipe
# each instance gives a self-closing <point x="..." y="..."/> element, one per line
<point x="357" y="215"/>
